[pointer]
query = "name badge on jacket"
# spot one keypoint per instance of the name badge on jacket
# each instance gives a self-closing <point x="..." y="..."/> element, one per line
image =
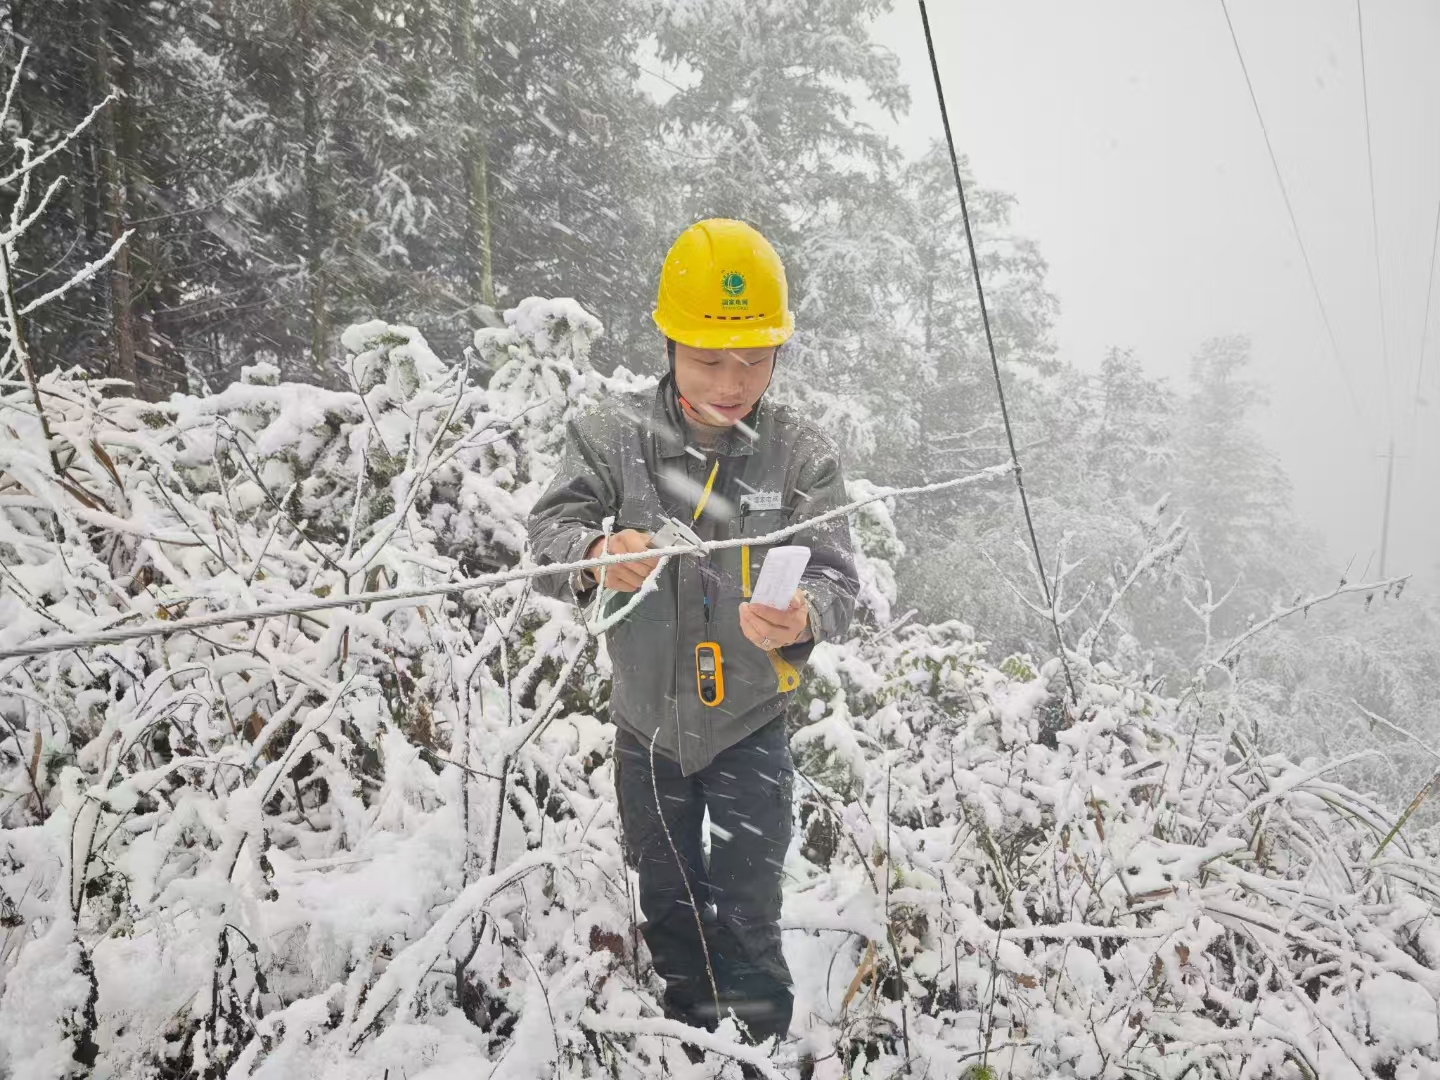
<point x="760" y="500"/>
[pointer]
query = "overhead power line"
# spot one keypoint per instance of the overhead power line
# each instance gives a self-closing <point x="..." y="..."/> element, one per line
<point x="994" y="362"/>
<point x="1374" y="217"/>
<point x="1294" y="221"/>
<point x="1424" y="329"/>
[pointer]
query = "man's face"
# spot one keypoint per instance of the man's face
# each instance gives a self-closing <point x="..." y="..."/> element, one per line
<point x="722" y="385"/>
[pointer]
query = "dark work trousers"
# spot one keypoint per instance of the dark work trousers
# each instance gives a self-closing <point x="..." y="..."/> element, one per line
<point x="748" y="790"/>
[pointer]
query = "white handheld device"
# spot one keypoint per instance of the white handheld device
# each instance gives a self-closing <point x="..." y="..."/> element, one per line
<point x="780" y="576"/>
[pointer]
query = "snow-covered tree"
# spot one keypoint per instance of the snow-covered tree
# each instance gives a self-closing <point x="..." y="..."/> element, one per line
<point x="149" y="160"/>
<point x="1232" y="483"/>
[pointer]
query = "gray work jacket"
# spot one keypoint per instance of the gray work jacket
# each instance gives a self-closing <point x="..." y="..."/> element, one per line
<point x="630" y="458"/>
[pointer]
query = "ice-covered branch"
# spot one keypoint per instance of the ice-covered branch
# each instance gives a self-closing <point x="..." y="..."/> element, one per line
<point x="31" y="164"/>
<point x="84" y="274"/>
<point x="1300" y="606"/>
<point x="14" y="82"/>
<point x="20" y="228"/>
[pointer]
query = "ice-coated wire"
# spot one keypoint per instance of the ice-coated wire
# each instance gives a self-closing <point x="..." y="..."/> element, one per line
<point x="59" y="643"/>
<point x="994" y="361"/>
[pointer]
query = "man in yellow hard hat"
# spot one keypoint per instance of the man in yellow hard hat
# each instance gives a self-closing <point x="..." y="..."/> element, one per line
<point x="701" y="675"/>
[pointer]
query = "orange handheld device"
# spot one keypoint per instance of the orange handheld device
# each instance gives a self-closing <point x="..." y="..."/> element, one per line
<point x="709" y="673"/>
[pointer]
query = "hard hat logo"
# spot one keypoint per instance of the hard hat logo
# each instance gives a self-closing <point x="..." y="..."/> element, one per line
<point x="733" y="283"/>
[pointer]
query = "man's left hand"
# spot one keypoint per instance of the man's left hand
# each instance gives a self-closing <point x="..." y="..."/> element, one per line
<point x="770" y="628"/>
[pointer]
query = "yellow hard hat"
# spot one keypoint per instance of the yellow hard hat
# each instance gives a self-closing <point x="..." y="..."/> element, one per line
<point x="723" y="287"/>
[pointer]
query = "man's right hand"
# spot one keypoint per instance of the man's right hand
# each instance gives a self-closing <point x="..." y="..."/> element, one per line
<point x="624" y="577"/>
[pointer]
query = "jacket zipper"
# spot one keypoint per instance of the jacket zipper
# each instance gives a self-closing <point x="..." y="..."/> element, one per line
<point x="675" y="682"/>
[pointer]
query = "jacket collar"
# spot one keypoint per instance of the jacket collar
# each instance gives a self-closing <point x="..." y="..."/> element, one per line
<point x="668" y="424"/>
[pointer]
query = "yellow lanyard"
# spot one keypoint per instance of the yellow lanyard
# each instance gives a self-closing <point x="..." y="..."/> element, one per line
<point x="705" y="495"/>
<point x="700" y="509"/>
<point x="745" y="550"/>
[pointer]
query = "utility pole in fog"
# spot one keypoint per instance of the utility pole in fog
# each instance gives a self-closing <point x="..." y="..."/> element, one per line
<point x="1385" y="520"/>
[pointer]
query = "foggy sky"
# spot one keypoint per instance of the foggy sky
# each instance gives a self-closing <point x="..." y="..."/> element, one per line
<point x="1126" y="133"/>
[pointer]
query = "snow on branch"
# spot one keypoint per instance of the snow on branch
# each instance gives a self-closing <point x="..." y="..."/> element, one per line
<point x="14" y="82"/>
<point x="1299" y="607"/>
<point x="30" y="164"/>
<point x="84" y="274"/>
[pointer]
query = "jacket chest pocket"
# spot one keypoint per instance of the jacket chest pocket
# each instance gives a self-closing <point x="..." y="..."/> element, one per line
<point x="757" y="523"/>
<point x="742" y="565"/>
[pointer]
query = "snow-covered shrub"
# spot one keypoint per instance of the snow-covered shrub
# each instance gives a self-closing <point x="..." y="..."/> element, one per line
<point x="1104" y="889"/>
<point x="231" y="841"/>
<point x="382" y="836"/>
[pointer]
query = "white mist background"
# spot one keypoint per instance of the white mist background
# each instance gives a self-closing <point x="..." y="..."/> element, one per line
<point x="1126" y="133"/>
